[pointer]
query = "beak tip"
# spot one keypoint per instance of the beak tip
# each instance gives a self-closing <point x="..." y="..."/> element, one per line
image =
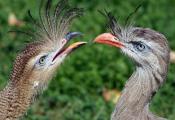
<point x="108" y="38"/>
<point x="72" y="35"/>
<point x="82" y="43"/>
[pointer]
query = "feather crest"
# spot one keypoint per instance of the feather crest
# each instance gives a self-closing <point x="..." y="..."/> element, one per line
<point x="54" y="23"/>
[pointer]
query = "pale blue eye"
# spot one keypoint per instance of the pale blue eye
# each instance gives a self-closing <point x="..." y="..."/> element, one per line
<point x="42" y="60"/>
<point x="139" y="46"/>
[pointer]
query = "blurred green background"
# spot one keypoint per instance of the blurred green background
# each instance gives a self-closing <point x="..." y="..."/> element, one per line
<point x="76" y="92"/>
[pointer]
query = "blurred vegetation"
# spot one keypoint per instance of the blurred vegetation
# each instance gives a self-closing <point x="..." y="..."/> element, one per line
<point x="76" y="92"/>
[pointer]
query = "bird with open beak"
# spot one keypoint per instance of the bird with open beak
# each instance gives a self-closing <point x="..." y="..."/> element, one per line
<point x="37" y="63"/>
<point x="149" y="50"/>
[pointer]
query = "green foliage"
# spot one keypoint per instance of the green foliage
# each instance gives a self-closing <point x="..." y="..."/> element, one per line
<point x="76" y="92"/>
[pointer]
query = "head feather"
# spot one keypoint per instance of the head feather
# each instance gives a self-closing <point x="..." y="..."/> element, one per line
<point x="54" y="23"/>
<point x="121" y="32"/>
<point x="50" y="30"/>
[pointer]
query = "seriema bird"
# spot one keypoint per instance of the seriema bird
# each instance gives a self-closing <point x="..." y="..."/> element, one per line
<point x="36" y="65"/>
<point x="150" y="51"/>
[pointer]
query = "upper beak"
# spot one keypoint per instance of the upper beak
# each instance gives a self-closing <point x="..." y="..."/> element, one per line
<point x="70" y="48"/>
<point x="72" y="35"/>
<point x="109" y="39"/>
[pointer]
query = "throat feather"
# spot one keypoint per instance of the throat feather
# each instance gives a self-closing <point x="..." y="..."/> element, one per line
<point x="137" y="94"/>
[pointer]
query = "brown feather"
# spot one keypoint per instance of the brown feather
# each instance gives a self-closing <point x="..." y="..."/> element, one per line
<point x="21" y="90"/>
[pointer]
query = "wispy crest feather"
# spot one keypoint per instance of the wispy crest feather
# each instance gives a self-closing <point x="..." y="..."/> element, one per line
<point x="122" y="32"/>
<point x="54" y="23"/>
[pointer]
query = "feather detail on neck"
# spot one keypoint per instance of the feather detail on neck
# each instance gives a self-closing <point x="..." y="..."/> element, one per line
<point x="134" y="101"/>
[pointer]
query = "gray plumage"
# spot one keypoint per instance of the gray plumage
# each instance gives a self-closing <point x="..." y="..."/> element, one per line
<point x="150" y="51"/>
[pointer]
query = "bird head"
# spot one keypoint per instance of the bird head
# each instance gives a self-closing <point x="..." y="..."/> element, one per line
<point x="148" y="48"/>
<point x="38" y="61"/>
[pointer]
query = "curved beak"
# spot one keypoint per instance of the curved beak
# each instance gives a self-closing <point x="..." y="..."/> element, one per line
<point x="109" y="39"/>
<point x="70" y="48"/>
<point x="72" y="35"/>
<point x="73" y="46"/>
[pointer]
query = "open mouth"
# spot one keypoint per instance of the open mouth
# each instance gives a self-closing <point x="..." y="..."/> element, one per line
<point x="69" y="49"/>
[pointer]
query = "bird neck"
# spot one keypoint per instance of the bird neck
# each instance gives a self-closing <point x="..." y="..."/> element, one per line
<point x="16" y="98"/>
<point x="135" y="98"/>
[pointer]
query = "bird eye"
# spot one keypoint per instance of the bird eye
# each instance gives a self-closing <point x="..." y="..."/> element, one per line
<point x="42" y="60"/>
<point x="139" y="46"/>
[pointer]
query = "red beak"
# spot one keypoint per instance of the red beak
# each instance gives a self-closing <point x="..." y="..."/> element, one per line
<point x="109" y="39"/>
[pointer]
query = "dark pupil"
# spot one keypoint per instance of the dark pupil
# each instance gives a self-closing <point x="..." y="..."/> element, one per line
<point x="140" y="46"/>
<point x="42" y="59"/>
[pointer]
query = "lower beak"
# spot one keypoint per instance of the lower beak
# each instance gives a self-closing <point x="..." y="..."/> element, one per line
<point x="69" y="49"/>
<point x="109" y="39"/>
<point x="74" y="46"/>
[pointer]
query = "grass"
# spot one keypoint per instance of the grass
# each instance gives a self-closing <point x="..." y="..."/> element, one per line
<point x="76" y="92"/>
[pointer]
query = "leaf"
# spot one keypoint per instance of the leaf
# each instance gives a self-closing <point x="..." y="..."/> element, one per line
<point x="111" y="95"/>
<point x="13" y="21"/>
<point x="172" y="56"/>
